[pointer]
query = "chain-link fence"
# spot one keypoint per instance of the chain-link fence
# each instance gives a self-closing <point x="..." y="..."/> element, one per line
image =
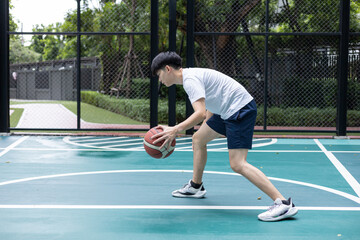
<point x="297" y="42"/>
<point x="353" y="103"/>
<point x="111" y="42"/>
<point x="90" y="70"/>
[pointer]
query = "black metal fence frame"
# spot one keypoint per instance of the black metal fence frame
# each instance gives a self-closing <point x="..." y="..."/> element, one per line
<point x="4" y="67"/>
<point x="343" y="36"/>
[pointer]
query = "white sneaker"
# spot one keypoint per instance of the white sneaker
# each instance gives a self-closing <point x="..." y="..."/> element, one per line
<point x="189" y="192"/>
<point x="278" y="211"/>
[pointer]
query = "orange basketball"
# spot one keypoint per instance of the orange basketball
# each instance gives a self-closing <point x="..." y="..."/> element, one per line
<point x="154" y="149"/>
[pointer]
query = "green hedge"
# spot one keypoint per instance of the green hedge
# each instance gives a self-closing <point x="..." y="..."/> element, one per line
<point x="307" y="93"/>
<point x="140" y="88"/>
<point x="318" y="93"/>
<point x="139" y="109"/>
<point x="300" y="116"/>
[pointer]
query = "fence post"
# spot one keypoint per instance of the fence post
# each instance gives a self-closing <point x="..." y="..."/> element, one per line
<point x="172" y="47"/>
<point x="266" y="67"/>
<point x="78" y="65"/>
<point x="4" y="66"/>
<point x="190" y="51"/>
<point x="343" y="68"/>
<point x="154" y="95"/>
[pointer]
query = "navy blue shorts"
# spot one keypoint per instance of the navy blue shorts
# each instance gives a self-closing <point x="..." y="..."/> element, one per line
<point x="239" y="128"/>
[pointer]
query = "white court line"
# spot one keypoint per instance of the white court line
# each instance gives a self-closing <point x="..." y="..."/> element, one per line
<point x="334" y="191"/>
<point x="212" y="143"/>
<point x="13" y="145"/>
<point x="255" y="145"/>
<point x="122" y="145"/>
<point x="183" y="143"/>
<point x="209" y="145"/>
<point x="273" y="141"/>
<point x="260" y="139"/>
<point x="343" y="171"/>
<point x="116" y="141"/>
<point x="184" y="138"/>
<point x="92" y="145"/>
<point x="95" y="149"/>
<point x="141" y="148"/>
<point x="82" y="137"/>
<point x="95" y="139"/>
<point x="178" y="142"/>
<point x="183" y="148"/>
<point x="345" y="151"/>
<point x="170" y="207"/>
<point x="287" y="151"/>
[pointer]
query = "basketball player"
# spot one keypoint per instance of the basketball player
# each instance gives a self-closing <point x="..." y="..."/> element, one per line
<point x="225" y="108"/>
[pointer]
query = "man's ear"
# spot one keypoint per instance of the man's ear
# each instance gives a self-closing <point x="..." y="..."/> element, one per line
<point x="167" y="68"/>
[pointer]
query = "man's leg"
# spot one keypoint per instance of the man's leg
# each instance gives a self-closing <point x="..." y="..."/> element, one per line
<point x="194" y="188"/>
<point x="204" y="135"/>
<point x="239" y="164"/>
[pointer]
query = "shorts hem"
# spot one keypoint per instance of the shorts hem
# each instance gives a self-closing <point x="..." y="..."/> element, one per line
<point x="241" y="147"/>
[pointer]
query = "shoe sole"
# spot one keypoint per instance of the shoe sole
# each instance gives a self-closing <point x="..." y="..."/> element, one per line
<point x="292" y="212"/>
<point x="197" y="195"/>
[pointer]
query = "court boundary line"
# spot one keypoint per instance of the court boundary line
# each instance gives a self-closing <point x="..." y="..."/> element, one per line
<point x="78" y="142"/>
<point x="330" y="190"/>
<point x="13" y="145"/>
<point x="167" y="207"/>
<point x="89" y="139"/>
<point x="142" y="150"/>
<point x="342" y="170"/>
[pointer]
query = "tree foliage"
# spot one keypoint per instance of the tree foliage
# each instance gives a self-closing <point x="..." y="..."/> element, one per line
<point x="111" y="16"/>
<point x="19" y="53"/>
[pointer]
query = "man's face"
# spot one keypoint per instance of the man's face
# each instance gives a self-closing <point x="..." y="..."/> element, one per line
<point x="165" y="76"/>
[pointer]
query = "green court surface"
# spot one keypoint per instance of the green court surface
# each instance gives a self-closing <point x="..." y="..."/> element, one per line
<point x="85" y="187"/>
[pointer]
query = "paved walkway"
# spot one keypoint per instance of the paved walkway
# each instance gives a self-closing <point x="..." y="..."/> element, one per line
<point x="44" y="115"/>
<point x="56" y="116"/>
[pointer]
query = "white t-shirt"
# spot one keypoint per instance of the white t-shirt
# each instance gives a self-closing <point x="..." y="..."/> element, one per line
<point x="223" y="95"/>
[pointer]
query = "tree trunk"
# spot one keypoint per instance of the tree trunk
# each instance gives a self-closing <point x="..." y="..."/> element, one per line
<point x="225" y="44"/>
<point x="110" y="62"/>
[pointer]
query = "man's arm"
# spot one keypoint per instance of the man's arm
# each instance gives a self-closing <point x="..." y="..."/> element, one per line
<point x="169" y="133"/>
<point x="197" y="117"/>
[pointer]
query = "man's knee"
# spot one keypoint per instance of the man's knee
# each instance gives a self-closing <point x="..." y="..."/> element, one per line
<point x="238" y="167"/>
<point x="198" y="141"/>
<point x="238" y="160"/>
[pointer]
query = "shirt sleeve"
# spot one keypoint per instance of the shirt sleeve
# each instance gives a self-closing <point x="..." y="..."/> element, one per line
<point x="194" y="88"/>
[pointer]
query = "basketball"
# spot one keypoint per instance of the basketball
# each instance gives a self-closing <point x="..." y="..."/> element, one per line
<point x="154" y="149"/>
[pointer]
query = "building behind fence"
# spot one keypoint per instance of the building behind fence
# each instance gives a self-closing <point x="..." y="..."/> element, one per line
<point x="53" y="80"/>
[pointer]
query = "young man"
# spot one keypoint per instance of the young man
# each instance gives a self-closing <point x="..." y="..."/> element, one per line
<point x="225" y="108"/>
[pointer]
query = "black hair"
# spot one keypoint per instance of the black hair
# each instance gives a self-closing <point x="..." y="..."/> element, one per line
<point x="165" y="58"/>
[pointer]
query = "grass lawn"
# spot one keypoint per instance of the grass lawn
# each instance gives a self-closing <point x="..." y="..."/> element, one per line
<point x="15" y="116"/>
<point x="89" y="113"/>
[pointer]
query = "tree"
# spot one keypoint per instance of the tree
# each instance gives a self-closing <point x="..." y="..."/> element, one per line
<point x="21" y="54"/>
<point x="219" y="16"/>
<point x="240" y="15"/>
<point x="18" y="53"/>
<point x="12" y="24"/>
<point x="48" y="46"/>
<point x="117" y="52"/>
